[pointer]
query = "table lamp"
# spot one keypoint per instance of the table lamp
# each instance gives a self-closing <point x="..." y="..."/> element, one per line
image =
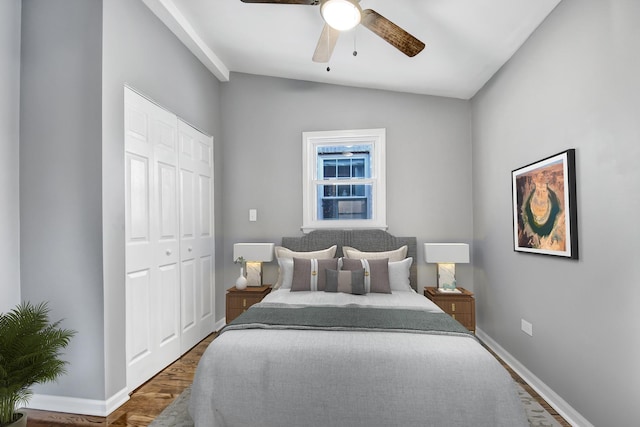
<point x="253" y="254"/>
<point x="446" y="255"/>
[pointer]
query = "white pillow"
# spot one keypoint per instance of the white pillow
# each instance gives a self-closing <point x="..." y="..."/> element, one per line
<point x="283" y="253"/>
<point x="394" y="255"/>
<point x="399" y="273"/>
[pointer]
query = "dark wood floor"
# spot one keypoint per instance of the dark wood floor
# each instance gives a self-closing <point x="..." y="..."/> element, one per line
<point x="151" y="398"/>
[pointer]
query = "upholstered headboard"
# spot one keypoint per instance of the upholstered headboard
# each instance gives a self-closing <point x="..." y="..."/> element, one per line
<point x="364" y="240"/>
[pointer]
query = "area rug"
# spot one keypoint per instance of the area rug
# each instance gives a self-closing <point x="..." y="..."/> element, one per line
<point x="176" y="415"/>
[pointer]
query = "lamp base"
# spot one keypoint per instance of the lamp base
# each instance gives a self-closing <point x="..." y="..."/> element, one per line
<point x="254" y="273"/>
<point x="446" y="276"/>
<point x="449" y="291"/>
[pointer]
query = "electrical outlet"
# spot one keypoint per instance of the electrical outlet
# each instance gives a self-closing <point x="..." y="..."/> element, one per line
<point x="526" y="327"/>
<point x="253" y="215"/>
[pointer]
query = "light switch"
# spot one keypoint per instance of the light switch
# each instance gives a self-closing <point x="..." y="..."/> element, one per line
<point x="253" y="215"/>
<point x="526" y="327"/>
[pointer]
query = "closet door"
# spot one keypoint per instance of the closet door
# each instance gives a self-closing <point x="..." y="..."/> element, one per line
<point x="196" y="234"/>
<point x="152" y="239"/>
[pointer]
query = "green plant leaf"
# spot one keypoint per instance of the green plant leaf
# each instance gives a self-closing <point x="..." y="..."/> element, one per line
<point x="30" y="351"/>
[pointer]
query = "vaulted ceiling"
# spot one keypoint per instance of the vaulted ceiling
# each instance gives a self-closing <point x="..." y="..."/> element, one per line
<point x="467" y="41"/>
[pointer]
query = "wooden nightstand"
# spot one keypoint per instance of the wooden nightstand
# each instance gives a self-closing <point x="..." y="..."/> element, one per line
<point x="461" y="307"/>
<point x="240" y="301"/>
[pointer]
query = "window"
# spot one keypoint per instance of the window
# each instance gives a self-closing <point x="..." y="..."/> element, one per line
<point x="344" y="179"/>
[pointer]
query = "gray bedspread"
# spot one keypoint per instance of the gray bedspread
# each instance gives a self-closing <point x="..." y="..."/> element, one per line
<point x="352" y="318"/>
<point x="317" y="377"/>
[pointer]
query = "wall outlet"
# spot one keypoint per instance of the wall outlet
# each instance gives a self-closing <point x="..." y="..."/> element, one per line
<point x="253" y="215"/>
<point x="526" y="327"/>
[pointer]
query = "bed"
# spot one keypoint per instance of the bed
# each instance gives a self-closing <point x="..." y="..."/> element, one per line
<point x="333" y="355"/>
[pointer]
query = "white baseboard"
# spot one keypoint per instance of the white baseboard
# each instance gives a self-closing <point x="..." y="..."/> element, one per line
<point x="75" y="405"/>
<point x="567" y="412"/>
<point x="219" y="324"/>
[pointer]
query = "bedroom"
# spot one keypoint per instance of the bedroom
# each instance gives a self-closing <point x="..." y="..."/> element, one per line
<point x="573" y="85"/>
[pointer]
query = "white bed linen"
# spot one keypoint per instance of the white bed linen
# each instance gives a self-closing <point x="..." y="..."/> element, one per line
<point x="397" y="299"/>
<point x="351" y="378"/>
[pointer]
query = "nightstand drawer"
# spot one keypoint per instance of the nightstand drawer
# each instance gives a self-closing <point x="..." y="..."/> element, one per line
<point x="239" y="301"/>
<point x="455" y="307"/>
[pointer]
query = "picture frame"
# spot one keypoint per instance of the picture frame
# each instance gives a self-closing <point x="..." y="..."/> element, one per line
<point x="545" y="217"/>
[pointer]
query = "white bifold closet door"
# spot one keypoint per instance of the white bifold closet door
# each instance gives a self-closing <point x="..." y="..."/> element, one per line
<point x="169" y="237"/>
<point x="196" y="235"/>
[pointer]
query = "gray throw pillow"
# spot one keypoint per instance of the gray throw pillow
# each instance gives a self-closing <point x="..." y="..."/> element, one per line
<point x="350" y="282"/>
<point x="309" y="274"/>
<point x="376" y="273"/>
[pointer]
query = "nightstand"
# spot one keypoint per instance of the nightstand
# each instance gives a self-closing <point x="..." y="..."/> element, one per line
<point x="461" y="306"/>
<point x="239" y="301"/>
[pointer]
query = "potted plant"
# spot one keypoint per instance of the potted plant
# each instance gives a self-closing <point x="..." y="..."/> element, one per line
<point x="30" y="349"/>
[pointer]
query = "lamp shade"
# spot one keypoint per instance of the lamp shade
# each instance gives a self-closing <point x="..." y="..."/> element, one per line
<point x="446" y="253"/>
<point x="253" y="251"/>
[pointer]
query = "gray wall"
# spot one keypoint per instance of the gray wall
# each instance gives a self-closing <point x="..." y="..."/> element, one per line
<point x="9" y="137"/>
<point x="76" y="57"/>
<point x="60" y="181"/>
<point x="574" y="84"/>
<point x="141" y="52"/>
<point x="428" y="161"/>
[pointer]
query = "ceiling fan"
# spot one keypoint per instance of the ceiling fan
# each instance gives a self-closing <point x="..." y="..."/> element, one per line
<point x="341" y="15"/>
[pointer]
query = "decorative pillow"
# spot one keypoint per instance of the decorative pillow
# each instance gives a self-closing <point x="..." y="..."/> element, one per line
<point x="376" y="273"/>
<point x="285" y="273"/>
<point x="350" y="282"/>
<point x="394" y="255"/>
<point x="284" y="253"/>
<point x="309" y="274"/>
<point x="399" y="273"/>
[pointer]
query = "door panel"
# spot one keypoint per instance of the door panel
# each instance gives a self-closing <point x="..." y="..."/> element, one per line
<point x="168" y="199"/>
<point x="138" y="315"/>
<point x="187" y="227"/>
<point x="168" y="293"/>
<point x="206" y="275"/>
<point x="138" y="215"/>
<point x="137" y="221"/>
<point x="188" y="285"/>
<point x="204" y="199"/>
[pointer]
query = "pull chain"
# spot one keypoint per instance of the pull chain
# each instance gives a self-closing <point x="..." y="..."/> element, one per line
<point x="355" y="49"/>
<point x="328" y="44"/>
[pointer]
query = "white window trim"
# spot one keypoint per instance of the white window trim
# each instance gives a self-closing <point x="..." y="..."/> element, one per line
<point x="310" y="142"/>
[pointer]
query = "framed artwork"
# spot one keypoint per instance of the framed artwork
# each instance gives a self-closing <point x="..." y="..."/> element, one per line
<point x="544" y="207"/>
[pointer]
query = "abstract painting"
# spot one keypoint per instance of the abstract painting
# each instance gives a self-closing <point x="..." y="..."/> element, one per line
<point x="544" y="206"/>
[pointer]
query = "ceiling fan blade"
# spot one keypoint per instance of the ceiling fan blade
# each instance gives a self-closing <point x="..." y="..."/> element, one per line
<point x="326" y="43"/>
<point x="394" y="35"/>
<point x="309" y="2"/>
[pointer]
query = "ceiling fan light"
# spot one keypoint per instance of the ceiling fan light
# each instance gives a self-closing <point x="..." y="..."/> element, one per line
<point x="341" y="15"/>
